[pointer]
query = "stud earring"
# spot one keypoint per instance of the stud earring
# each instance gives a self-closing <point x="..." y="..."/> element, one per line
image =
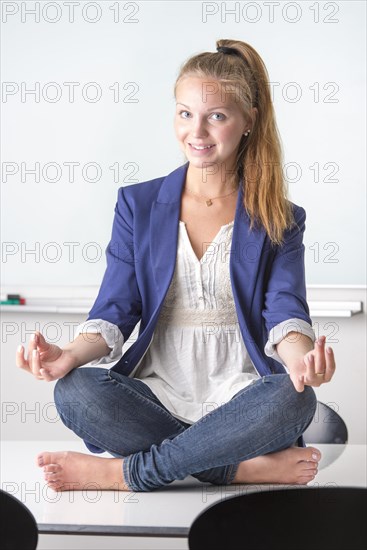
<point x="246" y="133"/>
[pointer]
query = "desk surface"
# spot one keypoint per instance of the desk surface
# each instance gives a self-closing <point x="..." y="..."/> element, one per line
<point x="166" y="512"/>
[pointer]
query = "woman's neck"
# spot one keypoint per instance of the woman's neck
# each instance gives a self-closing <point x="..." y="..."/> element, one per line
<point x="210" y="183"/>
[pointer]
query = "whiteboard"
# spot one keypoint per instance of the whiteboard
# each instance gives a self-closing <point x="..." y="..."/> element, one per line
<point x="88" y="107"/>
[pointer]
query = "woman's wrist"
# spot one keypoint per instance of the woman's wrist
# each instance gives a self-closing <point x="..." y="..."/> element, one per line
<point x="293" y="348"/>
<point x="72" y="358"/>
<point x="86" y="348"/>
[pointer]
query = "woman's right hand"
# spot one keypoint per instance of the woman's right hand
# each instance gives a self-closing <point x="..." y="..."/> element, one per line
<point x="45" y="361"/>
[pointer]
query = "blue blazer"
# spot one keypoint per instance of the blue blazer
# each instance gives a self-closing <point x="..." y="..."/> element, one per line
<point x="268" y="282"/>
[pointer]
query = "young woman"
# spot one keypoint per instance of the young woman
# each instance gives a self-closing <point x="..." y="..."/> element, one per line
<point x="210" y="260"/>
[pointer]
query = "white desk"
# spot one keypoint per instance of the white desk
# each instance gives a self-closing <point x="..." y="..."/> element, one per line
<point x="167" y="512"/>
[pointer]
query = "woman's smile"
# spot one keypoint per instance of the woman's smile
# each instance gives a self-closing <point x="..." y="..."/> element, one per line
<point x="201" y="149"/>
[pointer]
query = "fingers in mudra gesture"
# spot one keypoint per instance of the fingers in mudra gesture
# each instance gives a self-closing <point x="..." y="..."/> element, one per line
<point x="45" y="361"/>
<point x="315" y="368"/>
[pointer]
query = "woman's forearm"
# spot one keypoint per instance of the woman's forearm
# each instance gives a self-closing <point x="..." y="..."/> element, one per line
<point x="87" y="347"/>
<point x="293" y="347"/>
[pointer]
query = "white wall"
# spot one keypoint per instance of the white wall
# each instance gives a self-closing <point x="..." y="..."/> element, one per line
<point x="315" y="55"/>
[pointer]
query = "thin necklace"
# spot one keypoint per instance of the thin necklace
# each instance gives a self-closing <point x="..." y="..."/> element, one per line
<point x="209" y="202"/>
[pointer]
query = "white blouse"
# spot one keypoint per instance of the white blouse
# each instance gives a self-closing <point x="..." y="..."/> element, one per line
<point x="197" y="359"/>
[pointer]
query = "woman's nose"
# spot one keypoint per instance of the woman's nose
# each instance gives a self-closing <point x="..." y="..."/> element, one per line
<point x="198" y="127"/>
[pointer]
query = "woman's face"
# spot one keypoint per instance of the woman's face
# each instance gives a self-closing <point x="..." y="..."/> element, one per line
<point x="208" y="116"/>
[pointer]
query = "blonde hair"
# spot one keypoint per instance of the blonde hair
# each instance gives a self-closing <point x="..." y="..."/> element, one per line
<point x="259" y="158"/>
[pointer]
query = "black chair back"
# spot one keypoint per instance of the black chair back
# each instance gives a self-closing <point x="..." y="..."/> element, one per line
<point x="285" y="519"/>
<point x="18" y="529"/>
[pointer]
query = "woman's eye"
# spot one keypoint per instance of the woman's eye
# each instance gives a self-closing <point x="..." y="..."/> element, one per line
<point x="214" y="115"/>
<point x="218" y="114"/>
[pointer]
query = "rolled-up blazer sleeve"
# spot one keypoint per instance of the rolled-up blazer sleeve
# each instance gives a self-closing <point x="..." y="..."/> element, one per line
<point x="118" y="300"/>
<point x="285" y="293"/>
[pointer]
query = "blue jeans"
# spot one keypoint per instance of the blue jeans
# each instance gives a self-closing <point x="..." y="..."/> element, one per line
<point x="121" y="415"/>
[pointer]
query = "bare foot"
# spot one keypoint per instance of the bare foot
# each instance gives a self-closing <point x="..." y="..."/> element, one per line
<point x="296" y="465"/>
<point x="67" y="470"/>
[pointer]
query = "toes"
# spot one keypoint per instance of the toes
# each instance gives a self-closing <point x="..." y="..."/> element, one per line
<point x="309" y="454"/>
<point x="55" y="485"/>
<point x="52" y="468"/>
<point x="309" y="467"/>
<point x="52" y="472"/>
<point x="303" y="480"/>
<point x="315" y="454"/>
<point x="52" y="476"/>
<point x="310" y="475"/>
<point x="44" y="458"/>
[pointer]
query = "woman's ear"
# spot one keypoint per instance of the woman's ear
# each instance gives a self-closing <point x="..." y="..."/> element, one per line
<point x="250" y="119"/>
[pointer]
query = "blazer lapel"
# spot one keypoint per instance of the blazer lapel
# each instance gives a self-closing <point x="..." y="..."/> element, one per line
<point x="163" y="229"/>
<point x="245" y="249"/>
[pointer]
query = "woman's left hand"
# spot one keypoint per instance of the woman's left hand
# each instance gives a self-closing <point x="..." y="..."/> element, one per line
<point x="315" y="368"/>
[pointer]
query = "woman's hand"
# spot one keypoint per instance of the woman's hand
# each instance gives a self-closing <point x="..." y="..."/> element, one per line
<point x="45" y="361"/>
<point x="315" y="368"/>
